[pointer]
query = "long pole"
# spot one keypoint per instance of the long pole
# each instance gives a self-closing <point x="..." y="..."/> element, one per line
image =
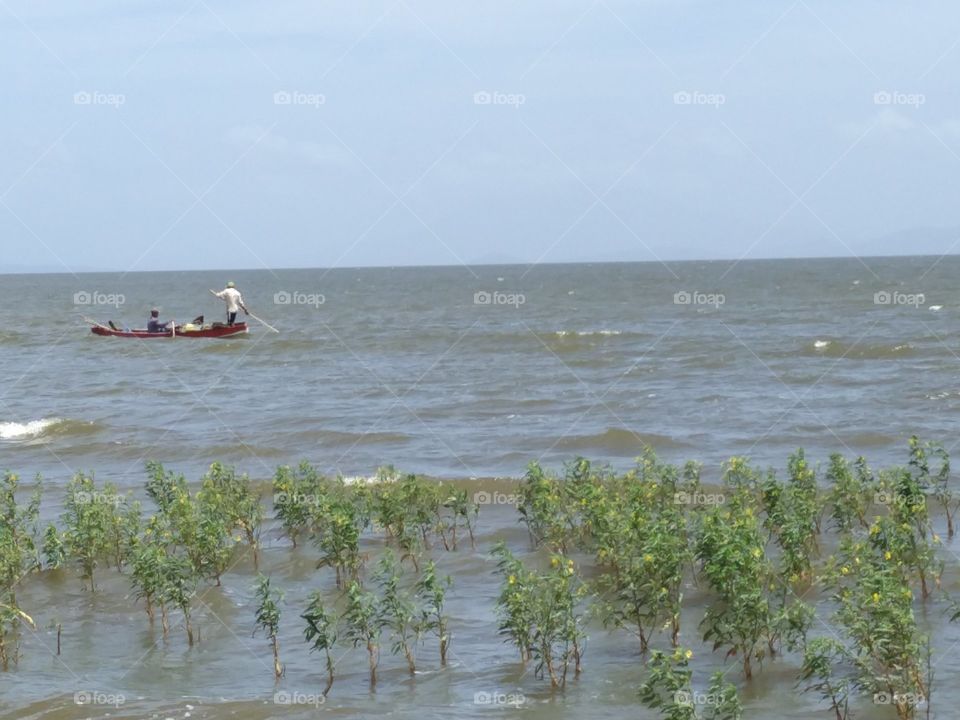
<point x="263" y="322"/>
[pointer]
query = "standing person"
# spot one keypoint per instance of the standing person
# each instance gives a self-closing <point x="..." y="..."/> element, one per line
<point x="234" y="301"/>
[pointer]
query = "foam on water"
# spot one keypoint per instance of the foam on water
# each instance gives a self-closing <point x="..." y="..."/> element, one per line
<point x="32" y="428"/>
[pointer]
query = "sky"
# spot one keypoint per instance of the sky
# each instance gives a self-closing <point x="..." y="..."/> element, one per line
<point x="211" y="134"/>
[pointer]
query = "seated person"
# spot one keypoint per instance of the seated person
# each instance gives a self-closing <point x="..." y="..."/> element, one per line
<point x="154" y="325"/>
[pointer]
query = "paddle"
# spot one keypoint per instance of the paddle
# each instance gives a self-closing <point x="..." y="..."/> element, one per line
<point x="259" y="320"/>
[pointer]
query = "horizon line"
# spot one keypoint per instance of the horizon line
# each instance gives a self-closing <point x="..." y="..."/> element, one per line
<point x="733" y="260"/>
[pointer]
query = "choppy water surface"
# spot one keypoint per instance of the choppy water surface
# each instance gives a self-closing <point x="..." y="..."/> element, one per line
<point x="413" y="367"/>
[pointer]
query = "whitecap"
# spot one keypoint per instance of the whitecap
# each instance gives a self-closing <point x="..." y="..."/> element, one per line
<point x="935" y="308"/>
<point x="14" y="430"/>
<point x="820" y="344"/>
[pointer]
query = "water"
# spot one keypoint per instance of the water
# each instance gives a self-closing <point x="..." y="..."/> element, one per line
<point x="404" y="366"/>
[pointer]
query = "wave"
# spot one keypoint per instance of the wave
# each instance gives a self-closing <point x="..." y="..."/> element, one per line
<point x="11" y="337"/>
<point x="587" y="333"/>
<point x="334" y="438"/>
<point x="32" y="428"/>
<point x="617" y="441"/>
<point x="857" y="350"/>
<point x="46" y="427"/>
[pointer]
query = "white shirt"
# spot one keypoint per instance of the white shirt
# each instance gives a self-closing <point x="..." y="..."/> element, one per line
<point x="233" y="298"/>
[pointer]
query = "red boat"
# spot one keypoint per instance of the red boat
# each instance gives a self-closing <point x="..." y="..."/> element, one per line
<point x="216" y="330"/>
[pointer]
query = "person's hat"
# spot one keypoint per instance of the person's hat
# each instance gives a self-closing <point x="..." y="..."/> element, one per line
<point x="231" y="284"/>
<point x="154" y="311"/>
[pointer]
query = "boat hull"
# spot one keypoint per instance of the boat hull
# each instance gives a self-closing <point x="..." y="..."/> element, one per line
<point x="212" y="332"/>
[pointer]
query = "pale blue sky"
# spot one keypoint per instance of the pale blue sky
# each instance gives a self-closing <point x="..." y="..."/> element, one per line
<point x="146" y="135"/>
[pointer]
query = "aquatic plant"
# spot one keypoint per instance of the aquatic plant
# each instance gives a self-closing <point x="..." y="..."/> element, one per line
<point x="457" y="503"/>
<point x="339" y="540"/>
<point x="361" y="618"/>
<point x="177" y="586"/>
<point x="197" y="526"/>
<point x="397" y="612"/>
<point x="18" y="557"/>
<point x="233" y="496"/>
<point x="431" y="591"/>
<point x="89" y="517"/>
<point x="539" y="613"/>
<point x="146" y="574"/>
<point x="668" y="689"/>
<point x="644" y="592"/>
<point x="18" y="528"/>
<point x="321" y="633"/>
<point x="541" y="508"/>
<point x="268" y="618"/>
<point x="730" y="549"/>
<point x="935" y="483"/>
<point x="883" y="653"/>
<point x="164" y="487"/>
<point x="11" y="617"/>
<point x="847" y="498"/>
<point x="124" y="526"/>
<point x="793" y="512"/>
<point x="53" y="550"/>
<point x="295" y="493"/>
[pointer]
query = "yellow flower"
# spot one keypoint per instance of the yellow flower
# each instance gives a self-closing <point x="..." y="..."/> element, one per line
<point x="844" y="570"/>
<point x="876" y="597"/>
<point x="887" y="555"/>
<point x="757" y="552"/>
<point x="648" y="557"/>
<point x="688" y="654"/>
<point x="554" y="562"/>
<point x="856" y="560"/>
<point x="511" y="580"/>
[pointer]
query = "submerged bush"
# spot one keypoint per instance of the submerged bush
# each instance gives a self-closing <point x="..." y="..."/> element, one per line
<point x="539" y="612"/>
